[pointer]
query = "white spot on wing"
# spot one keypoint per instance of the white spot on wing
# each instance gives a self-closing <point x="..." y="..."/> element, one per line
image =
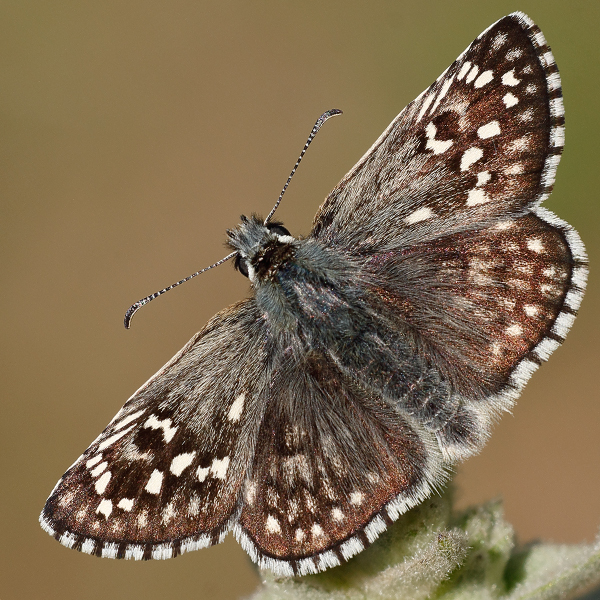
<point x="113" y="438"/>
<point x="510" y="79"/>
<point x="193" y="506"/>
<point x="469" y="157"/>
<point x="443" y="92"/>
<point x="131" y="452"/>
<point x="300" y="535"/>
<point x="99" y="469"/>
<point x="317" y="530"/>
<point x="472" y="74"/>
<point x="104" y="508"/>
<point x="67" y="498"/>
<point x="514" y="53"/>
<point x="463" y="70"/>
<point x="202" y="473"/>
<point x="419" y="215"/>
<point x="155" y="482"/>
<point x="181" y="462"/>
<point x="510" y="100"/>
<point x="168" y="513"/>
<point x="250" y="492"/>
<point x="154" y="423"/>
<point x="489" y="130"/>
<point x="526" y="115"/>
<point x="514" y="169"/>
<point x="531" y="310"/>
<point x="219" y="467"/>
<point x="484" y="79"/>
<point x="483" y="178"/>
<point x="535" y="245"/>
<point x="272" y="497"/>
<point x="337" y="515"/>
<point x="101" y="484"/>
<point x="477" y="196"/>
<point x="503" y="225"/>
<point x="356" y="498"/>
<point x="437" y="146"/>
<point x="425" y="106"/>
<point x="499" y="41"/>
<point x="128" y="419"/>
<point x="519" y="144"/>
<point x="93" y="461"/>
<point x="514" y="330"/>
<point x="272" y="525"/>
<point x="297" y="466"/>
<point x="235" y="412"/>
<point x="125" y="504"/>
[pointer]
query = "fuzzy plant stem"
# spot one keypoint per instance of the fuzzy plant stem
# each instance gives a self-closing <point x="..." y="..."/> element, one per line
<point x="433" y="552"/>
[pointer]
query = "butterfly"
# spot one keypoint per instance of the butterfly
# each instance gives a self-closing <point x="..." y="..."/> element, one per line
<point x="372" y="355"/>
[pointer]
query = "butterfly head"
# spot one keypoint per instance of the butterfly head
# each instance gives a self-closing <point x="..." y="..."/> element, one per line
<point x="261" y="248"/>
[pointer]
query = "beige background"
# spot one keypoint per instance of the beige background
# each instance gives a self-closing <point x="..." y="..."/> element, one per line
<point x="133" y="134"/>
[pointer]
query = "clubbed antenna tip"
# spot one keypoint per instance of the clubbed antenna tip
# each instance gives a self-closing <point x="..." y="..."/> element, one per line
<point x="326" y="115"/>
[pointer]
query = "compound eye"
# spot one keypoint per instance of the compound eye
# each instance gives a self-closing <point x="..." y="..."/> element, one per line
<point x="278" y="228"/>
<point x="241" y="266"/>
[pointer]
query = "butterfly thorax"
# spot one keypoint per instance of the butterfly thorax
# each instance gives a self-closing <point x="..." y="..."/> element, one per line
<point x="298" y="283"/>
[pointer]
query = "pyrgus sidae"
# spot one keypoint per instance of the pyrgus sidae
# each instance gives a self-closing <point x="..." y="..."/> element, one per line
<point x="373" y="354"/>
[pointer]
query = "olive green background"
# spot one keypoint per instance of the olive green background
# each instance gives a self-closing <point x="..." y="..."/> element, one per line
<point x="133" y="134"/>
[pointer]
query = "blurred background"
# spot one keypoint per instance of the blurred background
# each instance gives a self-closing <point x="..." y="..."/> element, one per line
<point x="133" y="134"/>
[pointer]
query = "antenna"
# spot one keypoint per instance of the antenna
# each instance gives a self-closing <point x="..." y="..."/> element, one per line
<point x="326" y="115"/>
<point x="135" y="307"/>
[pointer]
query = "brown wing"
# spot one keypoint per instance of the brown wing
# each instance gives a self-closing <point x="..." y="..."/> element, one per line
<point x="482" y="142"/>
<point x="164" y="476"/>
<point x="334" y="465"/>
<point x="483" y="307"/>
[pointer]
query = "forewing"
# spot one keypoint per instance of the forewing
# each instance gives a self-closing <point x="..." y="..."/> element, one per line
<point x="164" y="476"/>
<point x="483" y="141"/>
<point x="334" y="465"/>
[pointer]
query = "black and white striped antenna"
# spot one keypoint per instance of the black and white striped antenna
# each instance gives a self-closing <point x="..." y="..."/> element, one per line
<point x="137" y="305"/>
